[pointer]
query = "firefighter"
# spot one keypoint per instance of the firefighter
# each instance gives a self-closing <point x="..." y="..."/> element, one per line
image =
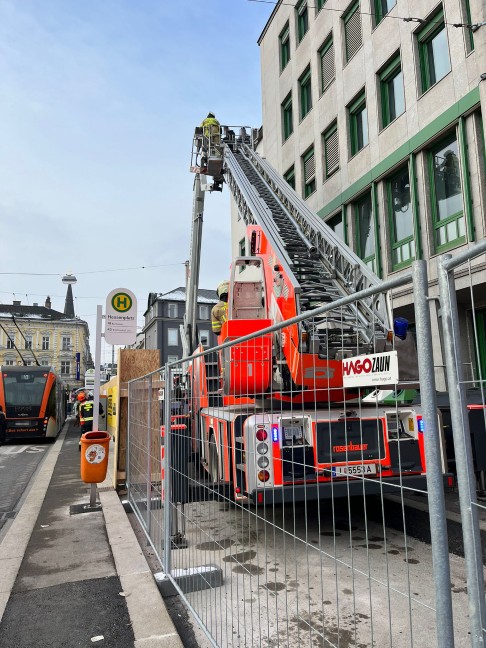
<point x="211" y="129"/>
<point x="219" y="313"/>
<point x="85" y="414"/>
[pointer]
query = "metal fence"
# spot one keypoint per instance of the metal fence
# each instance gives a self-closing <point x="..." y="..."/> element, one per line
<point x="266" y="544"/>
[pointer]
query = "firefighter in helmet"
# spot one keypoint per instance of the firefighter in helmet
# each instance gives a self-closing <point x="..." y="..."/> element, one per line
<point x="85" y="413"/>
<point x="219" y="313"/>
<point x="211" y="129"/>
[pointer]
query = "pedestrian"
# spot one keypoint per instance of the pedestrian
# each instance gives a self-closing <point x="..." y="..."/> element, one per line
<point x="3" y="426"/>
<point x="219" y="312"/>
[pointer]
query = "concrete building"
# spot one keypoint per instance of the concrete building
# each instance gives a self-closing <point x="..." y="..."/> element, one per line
<point x="373" y="110"/>
<point x="164" y="315"/>
<point x="40" y="333"/>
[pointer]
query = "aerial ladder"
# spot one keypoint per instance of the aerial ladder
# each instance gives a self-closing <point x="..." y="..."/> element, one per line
<point x="300" y="264"/>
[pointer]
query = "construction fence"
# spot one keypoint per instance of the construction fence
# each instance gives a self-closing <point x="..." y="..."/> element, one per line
<point x="270" y="546"/>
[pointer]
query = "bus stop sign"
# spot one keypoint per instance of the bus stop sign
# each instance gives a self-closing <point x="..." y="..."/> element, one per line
<point x="121" y="317"/>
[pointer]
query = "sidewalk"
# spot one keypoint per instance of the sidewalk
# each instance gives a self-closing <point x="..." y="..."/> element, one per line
<point x="70" y="580"/>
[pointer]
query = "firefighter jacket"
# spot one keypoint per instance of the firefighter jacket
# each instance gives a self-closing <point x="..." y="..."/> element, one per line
<point x="210" y="127"/>
<point x="86" y="412"/>
<point x="219" y="315"/>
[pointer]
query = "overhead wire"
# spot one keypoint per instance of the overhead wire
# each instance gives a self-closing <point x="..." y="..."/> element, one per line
<point x="426" y="21"/>
<point x="83" y="272"/>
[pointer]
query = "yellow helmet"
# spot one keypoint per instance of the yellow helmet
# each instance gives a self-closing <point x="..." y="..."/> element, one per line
<point x="222" y="289"/>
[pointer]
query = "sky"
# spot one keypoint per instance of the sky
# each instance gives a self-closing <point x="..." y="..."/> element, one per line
<point x="98" y="104"/>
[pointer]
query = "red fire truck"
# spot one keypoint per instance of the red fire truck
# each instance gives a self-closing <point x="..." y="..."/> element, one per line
<point x="271" y="416"/>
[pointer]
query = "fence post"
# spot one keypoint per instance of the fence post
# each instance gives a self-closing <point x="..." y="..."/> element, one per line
<point x="435" y="488"/>
<point x="167" y="468"/>
<point x="463" y="452"/>
<point x="149" y="458"/>
<point x="127" y="466"/>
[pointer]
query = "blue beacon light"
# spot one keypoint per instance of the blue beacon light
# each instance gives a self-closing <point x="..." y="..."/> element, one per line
<point x="274" y="432"/>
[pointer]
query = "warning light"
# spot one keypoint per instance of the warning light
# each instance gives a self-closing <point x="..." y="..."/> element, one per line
<point x="274" y="433"/>
<point x="450" y="481"/>
<point x="259" y="498"/>
<point x="261" y="435"/>
<point x="421" y="424"/>
<point x="263" y="475"/>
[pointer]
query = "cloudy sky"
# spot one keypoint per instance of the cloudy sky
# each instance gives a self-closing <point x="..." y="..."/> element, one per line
<point x="98" y="104"/>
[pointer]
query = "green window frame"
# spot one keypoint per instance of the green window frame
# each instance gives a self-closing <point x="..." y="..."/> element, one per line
<point x="469" y="32"/>
<point x="327" y="65"/>
<point x="353" y="37"/>
<point x="382" y="8"/>
<point x="446" y="194"/>
<point x="289" y="177"/>
<point x="358" y="124"/>
<point x="242" y="251"/>
<point x="365" y="231"/>
<point x="401" y="218"/>
<point x="302" y="16"/>
<point x="284" y="40"/>
<point x="480" y="338"/>
<point x="287" y="118"/>
<point x="434" y="57"/>
<point x="305" y="93"/>
<point x="330" y="141"/>
<point x="309" y="172"/>
<point x="319" y="5"/>
<point x="392" y="91"/>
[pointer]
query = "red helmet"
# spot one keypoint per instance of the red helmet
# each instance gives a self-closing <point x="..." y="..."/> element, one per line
<point x="81" y="397"/>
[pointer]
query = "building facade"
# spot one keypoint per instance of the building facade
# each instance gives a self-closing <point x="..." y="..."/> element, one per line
<point x="164" y="316"/>
<point x="39" y="334"/>
<point x="373" y="111"/>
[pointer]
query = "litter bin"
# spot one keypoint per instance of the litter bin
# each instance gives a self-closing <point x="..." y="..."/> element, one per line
<point x="94" y="456"/>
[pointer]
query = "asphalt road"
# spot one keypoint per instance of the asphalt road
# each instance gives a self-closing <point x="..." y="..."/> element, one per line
<point x="18" y="463"/>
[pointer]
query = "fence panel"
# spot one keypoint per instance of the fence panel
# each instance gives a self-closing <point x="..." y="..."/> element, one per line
<point x="297" y="515"/>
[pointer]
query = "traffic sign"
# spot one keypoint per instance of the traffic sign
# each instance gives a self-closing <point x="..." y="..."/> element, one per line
<point x="121" y="317"/>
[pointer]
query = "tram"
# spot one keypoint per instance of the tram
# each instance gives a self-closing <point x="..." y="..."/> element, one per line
<point x="34" y="402"/>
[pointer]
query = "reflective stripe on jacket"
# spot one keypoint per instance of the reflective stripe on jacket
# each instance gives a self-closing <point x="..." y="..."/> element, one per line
<point x="210" y="126"/>
<point x="86" y="412"/>
<point x="219" y="315"/>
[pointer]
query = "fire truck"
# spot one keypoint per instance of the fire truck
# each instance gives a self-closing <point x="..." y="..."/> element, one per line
<point x="271" y="418"/>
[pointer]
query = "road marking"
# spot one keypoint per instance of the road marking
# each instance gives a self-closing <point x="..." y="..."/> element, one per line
<point x="12" y="450"/>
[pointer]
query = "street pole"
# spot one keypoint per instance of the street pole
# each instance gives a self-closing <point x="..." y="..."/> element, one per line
<point x="97" y="381"/>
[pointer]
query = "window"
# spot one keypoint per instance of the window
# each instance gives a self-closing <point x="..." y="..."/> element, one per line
<point x="319" y="5"/>
<point x="10" y="340"/>
<point x="392" y="93"/>
<point x="65" y="367"/>
<point x="284" y="39"/>
<point x="336" y="223"/>
<point x="302" y="19"/>
<point x="45" y="342"/>
<point x="433" y="52"/>
<point x="309" y="166"/>
<point x="305" y="91"/>
<point x="28" y="341"/>
<point x="365" y="231"/>
<point x="242" y="251"/>
<point x="331" y="150"/>
<point x="172" y="358"/>
<point x="45" y="363"/>
<point x="327" y="65"/>
<point x="468" y="32"/>
<point x="382" y="7"/>
<point x="446" y="195"/>
<point x="358" y="124"/>
<point x="9" y="363"/>
<point x="289" y="176"/>
<point x="65" y="343"/>
<point x="204" y="312"/>
<point x="172" y="310"/>
<point x="353" y="39"/>
<point x="287" y="118"/>
<point x="204" y="338"/>
<point x="172" y="337"/>
<point x="401" y="219"/>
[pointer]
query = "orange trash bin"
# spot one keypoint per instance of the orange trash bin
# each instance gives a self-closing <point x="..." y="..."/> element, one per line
<point x="94" y="456"/>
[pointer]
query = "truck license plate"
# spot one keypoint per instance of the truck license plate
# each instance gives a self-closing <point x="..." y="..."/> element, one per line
<point x="355" y="470"/>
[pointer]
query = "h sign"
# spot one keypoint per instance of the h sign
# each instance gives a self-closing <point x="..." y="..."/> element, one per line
<point x="121" y="317"/>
